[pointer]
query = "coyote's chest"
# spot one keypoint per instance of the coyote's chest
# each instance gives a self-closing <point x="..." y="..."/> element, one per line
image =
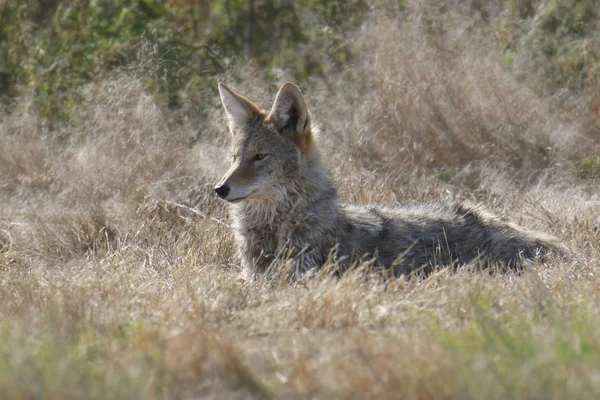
<point x="271" y="237"/>
<point x="262" y="240"/>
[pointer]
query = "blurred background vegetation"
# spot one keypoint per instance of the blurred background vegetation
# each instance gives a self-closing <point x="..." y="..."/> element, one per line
<point x="50" y="48"/>
<point x="55" y="46"/>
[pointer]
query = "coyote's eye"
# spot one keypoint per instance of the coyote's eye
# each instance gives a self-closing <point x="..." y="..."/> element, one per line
<point x="259" y="157"/>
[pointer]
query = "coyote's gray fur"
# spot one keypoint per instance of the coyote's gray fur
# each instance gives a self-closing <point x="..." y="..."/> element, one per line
<point x="283" y="205"/>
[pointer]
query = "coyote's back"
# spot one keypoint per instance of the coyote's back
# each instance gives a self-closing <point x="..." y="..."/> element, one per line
<point x="285" y="208"/>
<point x="436" y="234"/>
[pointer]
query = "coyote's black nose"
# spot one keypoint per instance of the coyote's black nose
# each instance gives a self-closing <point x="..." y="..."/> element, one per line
<point x="222" y="191"/>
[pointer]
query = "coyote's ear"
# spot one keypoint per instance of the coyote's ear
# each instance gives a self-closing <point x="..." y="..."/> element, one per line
<point x="239" y="109"/>
<point x="289" y="112"/>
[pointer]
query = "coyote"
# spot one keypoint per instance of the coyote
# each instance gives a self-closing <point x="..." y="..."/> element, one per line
<point x="285" y="208"/>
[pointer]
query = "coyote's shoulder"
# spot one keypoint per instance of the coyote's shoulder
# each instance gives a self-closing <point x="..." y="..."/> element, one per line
<point x="285" y="208"/>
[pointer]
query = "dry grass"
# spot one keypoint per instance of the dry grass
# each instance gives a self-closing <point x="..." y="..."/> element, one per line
<point x="116" y="261"/>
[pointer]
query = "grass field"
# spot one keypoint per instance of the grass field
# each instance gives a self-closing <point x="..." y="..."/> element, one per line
<point x="117" y="267"/>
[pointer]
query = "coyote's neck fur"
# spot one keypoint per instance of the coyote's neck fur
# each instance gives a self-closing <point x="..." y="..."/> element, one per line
<point x="267" y="230"/>
<point x="285" y="209"/>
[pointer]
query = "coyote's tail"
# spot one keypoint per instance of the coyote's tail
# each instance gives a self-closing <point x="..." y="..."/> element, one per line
<point x="511" y="244"/>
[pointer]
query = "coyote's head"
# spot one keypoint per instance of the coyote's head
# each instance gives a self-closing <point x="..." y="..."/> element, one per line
<point x="267" y="146"/>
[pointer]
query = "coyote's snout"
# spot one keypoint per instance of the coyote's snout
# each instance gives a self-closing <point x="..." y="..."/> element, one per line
<point x="240" y="182"/>
<point x="284" y="206"/>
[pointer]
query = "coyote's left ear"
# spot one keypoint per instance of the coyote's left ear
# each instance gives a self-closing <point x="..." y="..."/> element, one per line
<point x="290" y="115"/>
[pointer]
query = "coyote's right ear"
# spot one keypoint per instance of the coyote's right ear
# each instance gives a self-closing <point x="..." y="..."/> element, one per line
<point x="239" y="109"/>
